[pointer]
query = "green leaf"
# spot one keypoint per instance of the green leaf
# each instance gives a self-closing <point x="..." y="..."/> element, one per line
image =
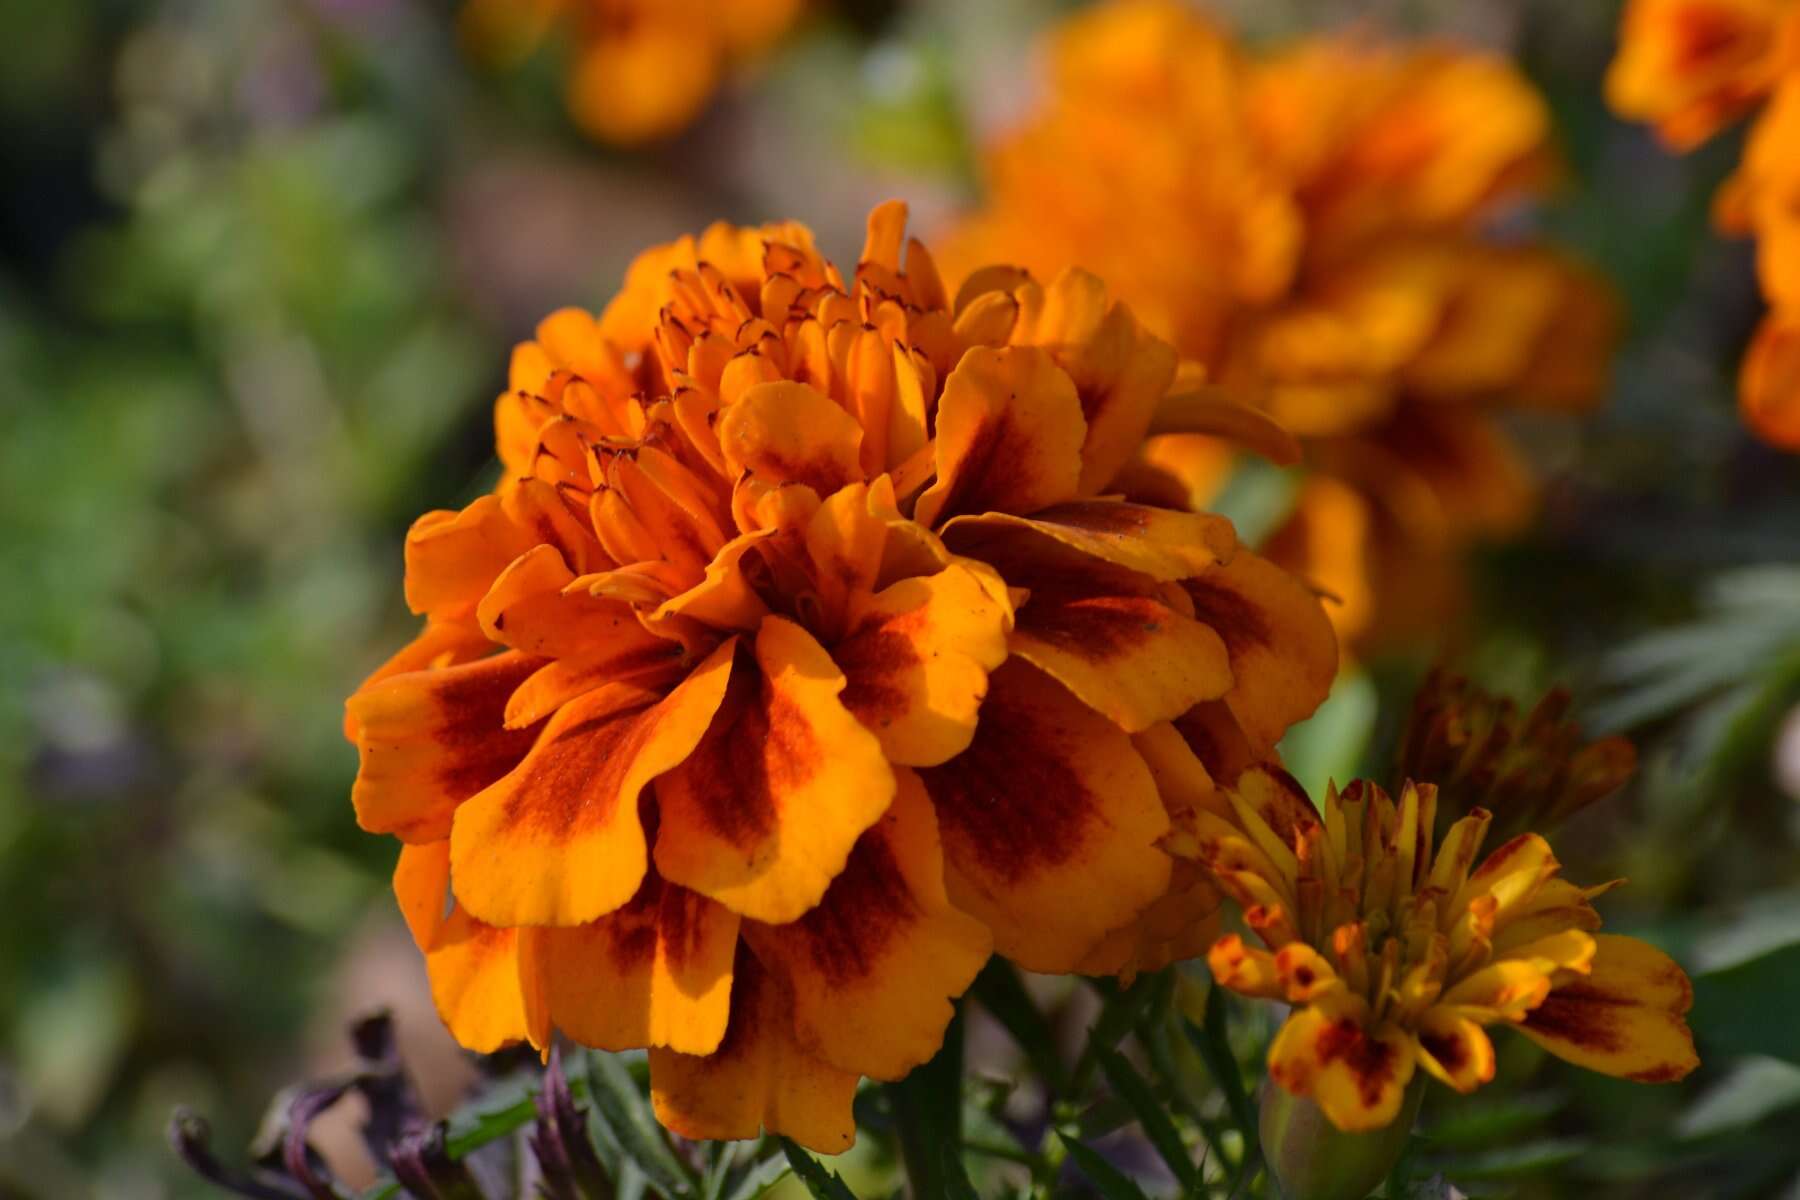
<point x="1113" y="1183"/>
<point x="1515" y="1162"/>
<point x="627" y="1116"/>
<point x="1001" y="992"/>
<point x="927" y="1107"/>
<point x="955" y="1176"/>
<point x="764" y="1174"/>
<point x="1118" y="1016"/>
<point x="821" y="1183"/>
<point x="1151" y="1115"/>
<point x="1756" y="1088"/>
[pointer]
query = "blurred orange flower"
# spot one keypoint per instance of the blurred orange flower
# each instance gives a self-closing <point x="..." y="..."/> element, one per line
<point x="1690" y="67"/>
<point x="1395" y="954"/>
<point x="642" y="69"/>
<point x="805" y="656"/>
<point x="1306" y="227"/>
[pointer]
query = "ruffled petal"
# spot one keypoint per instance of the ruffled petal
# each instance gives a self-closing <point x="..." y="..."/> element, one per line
<point x="558" y="841"/>
<point x="1050" y="822"/>
<point x="1356" y="1076"/>
<point x="874" y="966"/>
<point x="916" y="660"/>
<point x="1009" y="436"/>
<point x="786" y="432"/>
<point x="422" y="889"/>
<point x="1625" y="1018"/>
<point x="475" y="982"/>
<point x="656" y="972"/>
<point x="429" y="740"/>
<point x="1455" y="1049"/>
<point x="759" y="1079"/>
<point x="453" y="557"/>
<point x="438" y="644"/>
<point x="1159" y="542"/>
<point x="1282" y="649"/>
<point x="763" y="814"/>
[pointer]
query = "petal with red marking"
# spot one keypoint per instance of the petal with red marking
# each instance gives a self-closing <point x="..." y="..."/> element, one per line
<point x="875" y="965"/>
<point x="429" y="740"/>
<point x="786" y="432"/>
<point x="1050" y="822"/>
<point x="474" y="972"/>
<point x="1625" y="1018"/>
<point x="763" y="814"/>
<point x="558" y="840"/>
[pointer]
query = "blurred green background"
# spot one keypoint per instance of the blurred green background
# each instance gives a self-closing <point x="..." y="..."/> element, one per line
<point x="261" y="262"/>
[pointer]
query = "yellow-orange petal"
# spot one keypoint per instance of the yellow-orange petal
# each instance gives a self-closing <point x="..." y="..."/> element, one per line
<point x="786" y="432"/>
<point x="1454" y="1049"/>
<point x="453" y="557"/>
<point x="558" y="840"/>
<point x="1161" y="543"/>
<point x="759" y="1079"/>
<point x="1009" y="436"/>
<point x="763" y="814"/>
<point x="438" y="644"/>
<point x="656" y="972"/>
<point x="429" y="740"/>
<point x="1356" y="1076"/>
<point x="422" y="889"/>
<point x="874" y="966"/>
<point x="916" y="659"/>
<point x="1281" y="645"/>
<point x="475" y="982"/>
<point x="643" y="82"/>
<point x="1120" y="372"/>
<point x="1111" y="637"/>
<point x="1769" y="382"/>
<point x="1625" y="1018"/>
<point x="1504" y="990"/>
<point x="1245" y="969"/>
<point x="532" y="608"/>
<point x="1050" y="822"/>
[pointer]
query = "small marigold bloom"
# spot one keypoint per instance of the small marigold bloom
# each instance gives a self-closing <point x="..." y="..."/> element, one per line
<point x="642" y="69"/>
<point x="1531" y="770"/>
<point x="805" y="656"/>
<point x="1396" y="951"/>
<point x="1691" y="67"/>
<point x="1335" y="194"/>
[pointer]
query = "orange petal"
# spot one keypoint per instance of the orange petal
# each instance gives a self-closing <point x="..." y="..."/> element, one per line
<point x="1211" y="412"/>
<point x="916" y="660"/>
<point x="453" y="557"/>
<point x="1120" y="371"/>
<point x="1245" y="969"/>
<point x="759" y="1079"/>
<point x="1159" y="542"/>
<point x="1455" y="1050"/>
<point x="422" y="888"/>
<point x="431" y="739"/>
<point x="1050" y="822"/>
<point x="1356" y="1076"/>
<point x="1282" y="649"/>
<point x="1769" y="383"/>
<point x="787" y="432"/>
<point x="656" y="972"/>
<point x="874" y="966"/>
<point x="558" y="841"/>
<point x="531" y="608"/>
<point x="474" y="971"/>
<point x="439" y="644"/>
<point x="1108" y="636"/>
<point x="1009" y="436"/>
<point x="1625" y="1018"/>
<point x="763" y="814"/>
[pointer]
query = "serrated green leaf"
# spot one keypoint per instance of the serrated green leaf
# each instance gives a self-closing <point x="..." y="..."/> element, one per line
<point x="627" y="1116"/>
<point x="763" y="1174"/>
<point x="1151" y="1116"/>
<point x="1112" y="1183"/>
<point x="821" y="1183"/>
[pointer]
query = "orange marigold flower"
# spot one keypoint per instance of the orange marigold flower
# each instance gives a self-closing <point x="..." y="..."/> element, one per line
<point x="1691" y="67"/>
<point x="643" y="69"/>
<point x="1396" y="952"/>
<point x="1334" y="193"/>
<point x="804" y="657"/>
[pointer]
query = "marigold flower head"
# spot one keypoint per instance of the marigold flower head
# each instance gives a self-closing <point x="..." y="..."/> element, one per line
<point x="642" y="69"/>
<point x="1396" y="951"/>
<point x="1530" y="770"/>
<point x="804" y="657"/>
<point x="1335" y="193"/>
<point x="1690" y="67"/>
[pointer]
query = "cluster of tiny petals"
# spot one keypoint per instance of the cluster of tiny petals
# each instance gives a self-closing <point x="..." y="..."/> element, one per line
<point x="802" y="659"/>
<point x="1396" y="952"/>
